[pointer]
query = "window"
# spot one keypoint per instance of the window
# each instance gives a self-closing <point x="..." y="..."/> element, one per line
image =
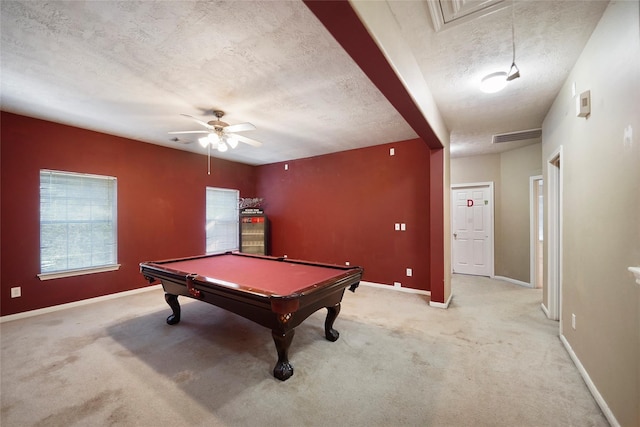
<point x="222" y="220"/>
<point x="78" y="227"/>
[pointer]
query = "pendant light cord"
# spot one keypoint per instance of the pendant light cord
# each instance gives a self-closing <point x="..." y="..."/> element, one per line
<point x="514" y="72"/>
<point x="513" y="32"/>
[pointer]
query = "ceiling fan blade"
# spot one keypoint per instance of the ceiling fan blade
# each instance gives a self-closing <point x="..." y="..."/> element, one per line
<point x="249" y="141"/>
<point x="205" y="124"/>
<point x="181" y="141"/>
<point x="241" y="127"/>
<point x="188" y="131"/>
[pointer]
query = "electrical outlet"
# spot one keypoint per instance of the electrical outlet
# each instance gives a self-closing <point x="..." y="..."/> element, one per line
<point x="397" y="284"/>
<point x="392" y="151"/>
<point x="403" y="226"/>
<point x="573" y="321"/>
<point x="409" y="272"/>
<point x="16" y="292"/>
<point x="346" y="263"/>
<point x="286" y="166"/>
<point x="397" y="226"/>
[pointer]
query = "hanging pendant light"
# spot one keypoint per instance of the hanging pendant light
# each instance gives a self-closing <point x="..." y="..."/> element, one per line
<point x="494" y="82"/>
<point x="514" y="72"/>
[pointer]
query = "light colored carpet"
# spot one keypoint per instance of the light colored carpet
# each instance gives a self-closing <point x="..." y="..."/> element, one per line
<point x="491" y="359"/>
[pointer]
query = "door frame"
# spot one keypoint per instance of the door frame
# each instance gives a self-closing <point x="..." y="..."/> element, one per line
<point x="533" y="223"/>
<point x="554" y="236"/>
<point x="470" y="185"/>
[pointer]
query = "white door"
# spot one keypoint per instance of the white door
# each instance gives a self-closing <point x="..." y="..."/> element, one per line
<point x="472" y="226"/>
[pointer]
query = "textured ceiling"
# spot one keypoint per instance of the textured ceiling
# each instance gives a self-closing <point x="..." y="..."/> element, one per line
<point x="131" y="68"/>
<point x="549" y="37"/>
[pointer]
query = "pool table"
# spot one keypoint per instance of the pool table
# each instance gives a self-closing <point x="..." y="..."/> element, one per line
<point x="277" y="293"/>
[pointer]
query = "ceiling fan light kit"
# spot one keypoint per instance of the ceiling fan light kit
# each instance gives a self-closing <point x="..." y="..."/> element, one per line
<point x="221" y="135"/>
<point x="212" y="139"/>
<point x="232" y="141"/>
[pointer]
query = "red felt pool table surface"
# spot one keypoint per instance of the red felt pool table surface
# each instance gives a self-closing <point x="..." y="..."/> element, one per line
<point x="257" y="274"/>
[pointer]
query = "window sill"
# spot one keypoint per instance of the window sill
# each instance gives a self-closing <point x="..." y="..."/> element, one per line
<point x="79" y="272"/>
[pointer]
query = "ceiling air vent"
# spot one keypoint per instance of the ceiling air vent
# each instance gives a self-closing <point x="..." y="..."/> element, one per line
<point x="447" y="13"/>
<point x="517" y="136"/>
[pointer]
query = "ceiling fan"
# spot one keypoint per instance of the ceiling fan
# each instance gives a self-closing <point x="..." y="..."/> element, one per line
<point x="221" y="135"/>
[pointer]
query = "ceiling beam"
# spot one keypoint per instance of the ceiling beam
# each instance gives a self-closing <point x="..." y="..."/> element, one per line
<point x="340" y="19"/>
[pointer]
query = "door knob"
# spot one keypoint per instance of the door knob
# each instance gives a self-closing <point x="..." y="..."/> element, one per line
<point x="455" y="235"/>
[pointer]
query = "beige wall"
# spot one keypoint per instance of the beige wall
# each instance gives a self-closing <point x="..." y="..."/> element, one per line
<point x="600" y="171"/>
<point x="516" y="167"/>
<point x="510" y="172"/>
<point x="447" y="222"/>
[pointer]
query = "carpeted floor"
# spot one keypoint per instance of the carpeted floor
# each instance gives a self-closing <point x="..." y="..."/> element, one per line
<point x="491" y="359"/>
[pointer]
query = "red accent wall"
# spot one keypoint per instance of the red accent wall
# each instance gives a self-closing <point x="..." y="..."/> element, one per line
<point x="334" y="208"/>
<point x="342" y="21"/>
<point x="161" y="205"/>
<point x="343" y="206"/>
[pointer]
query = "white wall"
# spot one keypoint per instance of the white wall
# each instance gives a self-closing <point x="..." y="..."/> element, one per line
<point x="600" y="169"/>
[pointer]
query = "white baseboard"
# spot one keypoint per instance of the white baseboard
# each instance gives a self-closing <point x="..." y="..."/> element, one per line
<point x="54" y="308"/>
<point x="51" y="309"/>
<point x="545" y="310"/>
<point x="410" y="291"/>
<point x="441" y="304"/>
<point x="514" y="281"/>
<point x="592" y="387"/>
<point x="396" y="288"/>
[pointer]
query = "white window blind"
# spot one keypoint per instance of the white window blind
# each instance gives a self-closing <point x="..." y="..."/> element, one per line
<point x="78" y="227"/>
<point x="222" y="219"/>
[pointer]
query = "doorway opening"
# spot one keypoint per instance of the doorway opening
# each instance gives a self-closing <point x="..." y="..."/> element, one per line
<point x="536" y="239"/>
<point x="554" y="233"/>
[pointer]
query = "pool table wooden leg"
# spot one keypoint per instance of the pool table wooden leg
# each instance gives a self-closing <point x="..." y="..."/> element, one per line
<point x="332" y="313"/>
<point x="172" y="300"/>
<point x="283" y="369"/>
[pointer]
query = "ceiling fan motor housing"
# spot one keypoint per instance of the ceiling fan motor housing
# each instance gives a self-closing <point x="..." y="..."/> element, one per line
<point x="218" y="124"/>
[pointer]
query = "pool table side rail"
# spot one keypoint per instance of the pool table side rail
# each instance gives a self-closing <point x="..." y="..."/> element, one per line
<point x="265" y="257"/>
<point x="266" y="307"/>
<point x="152" y="271"/>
